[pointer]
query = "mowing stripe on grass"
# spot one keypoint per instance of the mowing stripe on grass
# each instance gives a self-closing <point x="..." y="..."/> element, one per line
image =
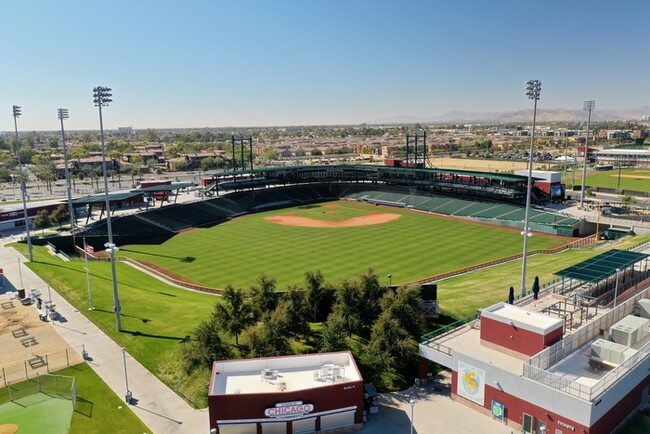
<point x="413" y="247"/>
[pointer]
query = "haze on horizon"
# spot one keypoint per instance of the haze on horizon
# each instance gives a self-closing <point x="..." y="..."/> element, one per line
<point x="255" y="63"/>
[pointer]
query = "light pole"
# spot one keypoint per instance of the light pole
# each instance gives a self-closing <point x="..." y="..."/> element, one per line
<point x="618" y="183"/>
<point x="23" y="188"/>
<point x="533" y="89"/>
<point x="390" y="280"/>
<point x="128" y="395"/>
<point x="63" y="114"/>
<point x="412" y="402"/>
<point x="616" y="287"/>
<point x="20" y="273"/>
<point x="101" y="98"/>
<point x="90" y="294"/>
<point x="589" y="106"/>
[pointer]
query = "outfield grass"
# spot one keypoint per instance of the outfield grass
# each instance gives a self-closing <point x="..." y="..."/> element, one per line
<point x="460" y="296"/>
<point x="631" y="179"/>
<point x="413" y="247"/>
<point x="98" y="409"/>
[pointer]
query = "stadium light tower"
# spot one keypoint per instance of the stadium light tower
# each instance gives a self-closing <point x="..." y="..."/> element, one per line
<point x="63" y="114"/>
<point x="589" y="106"/>
<point x="533" y="89"/>
<point x="101" y="98"/>
<point x="23" y="188"/>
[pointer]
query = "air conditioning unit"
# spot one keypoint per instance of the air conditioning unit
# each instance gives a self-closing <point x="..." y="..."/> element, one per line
<point x="629" y="330"/>
<point x="267" y="374"/>
<point x="643" y="307"/>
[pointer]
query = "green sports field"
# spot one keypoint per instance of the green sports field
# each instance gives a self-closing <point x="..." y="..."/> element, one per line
<point x="631" y="179"/>
<point x="38" y="413"/>
<point x="414" y="246"/>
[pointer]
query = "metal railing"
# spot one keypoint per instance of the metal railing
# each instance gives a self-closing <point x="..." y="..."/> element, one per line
<point x="424" y="339"/>
<point x="536" y="367"/>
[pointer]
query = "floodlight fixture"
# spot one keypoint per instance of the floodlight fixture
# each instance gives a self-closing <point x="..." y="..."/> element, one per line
<point x="533" y="90"/>
<point x="102" y="97"/>
<point x="588" y="106"/>
<point x="23" y="188"/>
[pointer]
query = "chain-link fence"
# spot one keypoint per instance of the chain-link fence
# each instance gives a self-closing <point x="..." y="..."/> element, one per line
<point x="35" y="365"/>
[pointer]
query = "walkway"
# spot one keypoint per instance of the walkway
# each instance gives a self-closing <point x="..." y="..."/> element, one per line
<point x="153" y="402"/>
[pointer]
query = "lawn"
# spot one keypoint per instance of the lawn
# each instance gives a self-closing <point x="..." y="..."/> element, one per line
<point x="460" y="296"/>
<point x="155" y="315"/>
<point x="36" y="412"/>
<point x="631" y="179"/>
<point x="413" y="247"/>
<point x="97" y="410"/>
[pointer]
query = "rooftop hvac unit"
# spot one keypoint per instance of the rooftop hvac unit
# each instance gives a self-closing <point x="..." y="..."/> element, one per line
<point x="267" y="374"/>
<point x="643" y="307"/>
<point x="610" y="352"/>
<point x="629" y="330"/>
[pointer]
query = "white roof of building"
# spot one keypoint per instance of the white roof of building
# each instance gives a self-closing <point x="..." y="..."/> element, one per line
<point x="624" y="152"/>
<point x="279" y="374"/>
<point x="523" y="318"/>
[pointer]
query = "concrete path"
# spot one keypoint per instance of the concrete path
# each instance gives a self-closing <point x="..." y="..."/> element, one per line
<point x="153" y="402"/>
<point x="434" y="412"/>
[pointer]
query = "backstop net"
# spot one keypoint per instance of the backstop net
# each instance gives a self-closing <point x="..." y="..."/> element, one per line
<point x="55" y="386"/>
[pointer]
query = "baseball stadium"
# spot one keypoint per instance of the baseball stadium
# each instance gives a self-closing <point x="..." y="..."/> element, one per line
<point x="285" y="220"/>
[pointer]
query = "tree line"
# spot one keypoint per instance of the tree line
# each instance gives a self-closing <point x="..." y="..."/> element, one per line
<point x="380" y="325"/>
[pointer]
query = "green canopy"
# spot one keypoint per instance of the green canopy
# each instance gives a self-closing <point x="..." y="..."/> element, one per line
<point x="602" y="266"/>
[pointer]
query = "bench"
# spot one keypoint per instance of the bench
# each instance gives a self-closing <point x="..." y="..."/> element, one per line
<point x="19" y="332"/>
<point x="29" y="341"/>
<point x="7" y="305"/>
<point x="37" y="362"/>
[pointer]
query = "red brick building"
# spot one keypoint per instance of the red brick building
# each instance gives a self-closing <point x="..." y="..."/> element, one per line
<point x="293" y="394"/>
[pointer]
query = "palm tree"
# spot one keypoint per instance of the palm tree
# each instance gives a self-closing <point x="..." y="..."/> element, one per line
<point x="235" y="314"/>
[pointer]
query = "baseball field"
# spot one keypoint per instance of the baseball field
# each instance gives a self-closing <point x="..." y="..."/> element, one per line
<point x="342" y="239"/>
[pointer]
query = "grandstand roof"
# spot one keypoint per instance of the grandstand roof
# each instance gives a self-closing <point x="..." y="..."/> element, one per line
<point x="488" y="175"/>
<point x="602" y="266"/>
<point x="99" y="198"/>
<point x="168" y="187"/>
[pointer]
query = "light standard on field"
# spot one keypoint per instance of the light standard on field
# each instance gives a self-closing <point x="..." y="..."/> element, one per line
<point x="616" y="287"/>
<point x="390" y="280"/>
<point x="412" y="402"/>
<point x="533" y="89"/>
<point x="63" y="114"/>
<point x="101" y="98"/>
<point x="23" y="188"/>
<point x="128" y="395"/>
<point x="589" y="106"/>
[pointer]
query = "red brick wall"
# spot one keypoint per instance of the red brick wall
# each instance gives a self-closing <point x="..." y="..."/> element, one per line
<point x="252" y="406"/>
<point x="515" y="408"/>
<point x="516" y="338"/>
<point x="625" y="406"/>
<point x="553" y="337"/>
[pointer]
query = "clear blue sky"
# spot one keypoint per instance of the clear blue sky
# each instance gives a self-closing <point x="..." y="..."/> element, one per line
<point x="197" y="63"/>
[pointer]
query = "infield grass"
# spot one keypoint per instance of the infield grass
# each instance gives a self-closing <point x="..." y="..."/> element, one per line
<point x="415" y="246"/>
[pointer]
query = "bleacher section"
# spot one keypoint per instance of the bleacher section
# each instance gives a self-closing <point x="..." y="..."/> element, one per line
<point x="170" y="219"/>
<point x="475" y="210"/>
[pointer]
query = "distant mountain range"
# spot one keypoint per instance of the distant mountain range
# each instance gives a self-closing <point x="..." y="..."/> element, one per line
<point x="543" y="115"/>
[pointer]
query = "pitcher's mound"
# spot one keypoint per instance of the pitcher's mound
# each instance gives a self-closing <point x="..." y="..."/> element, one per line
<point x="8" y="428"/>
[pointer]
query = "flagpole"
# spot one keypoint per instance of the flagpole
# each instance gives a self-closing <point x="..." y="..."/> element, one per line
<point x="90" y="294"/>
